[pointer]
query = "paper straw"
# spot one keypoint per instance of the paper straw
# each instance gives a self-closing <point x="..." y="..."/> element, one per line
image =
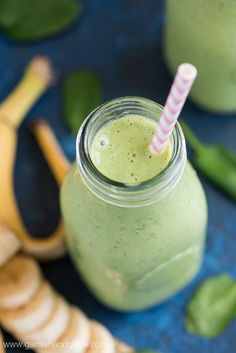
<point x="179" y="92"/>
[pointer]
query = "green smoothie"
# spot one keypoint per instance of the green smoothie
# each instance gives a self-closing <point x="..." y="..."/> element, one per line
<point x="120" y="150"/>
<point x="136" y="243"/>
<point x="203" y="32"/>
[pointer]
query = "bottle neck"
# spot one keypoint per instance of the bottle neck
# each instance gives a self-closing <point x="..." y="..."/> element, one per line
<point x="119" y="194"/>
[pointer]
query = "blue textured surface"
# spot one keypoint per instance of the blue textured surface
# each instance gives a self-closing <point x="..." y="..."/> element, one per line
<point x="121" y="39"/>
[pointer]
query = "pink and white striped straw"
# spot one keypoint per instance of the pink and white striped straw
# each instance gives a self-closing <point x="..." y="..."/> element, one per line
<point x="179" y="92"/>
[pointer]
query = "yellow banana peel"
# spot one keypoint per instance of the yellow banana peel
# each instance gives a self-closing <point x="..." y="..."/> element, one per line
<point x="37" y="78"/>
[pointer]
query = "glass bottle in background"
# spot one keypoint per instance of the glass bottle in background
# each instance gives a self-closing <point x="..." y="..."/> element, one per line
<point x="203" y="32"/>
<point x="134" y="245"/>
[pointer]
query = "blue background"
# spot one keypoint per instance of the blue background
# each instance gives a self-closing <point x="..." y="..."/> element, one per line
<point x="121" y="40"/>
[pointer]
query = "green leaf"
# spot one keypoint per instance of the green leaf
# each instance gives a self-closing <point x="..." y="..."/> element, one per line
<point x="36" y="19"/>
<point x="11" y="11"/>
<point x="219" y="168"/>
<point x="82" y="93"/>
<point x="215" y="162"/>
<point x="230" y="155"/>
<point x="212" y="307"/>
<point x="193" y="141"/>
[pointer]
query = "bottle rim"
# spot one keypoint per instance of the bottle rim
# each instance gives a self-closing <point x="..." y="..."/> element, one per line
<point x="116" y="193"/>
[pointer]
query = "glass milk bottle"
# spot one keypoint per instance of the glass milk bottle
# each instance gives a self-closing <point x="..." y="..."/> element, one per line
<point x="134" y="245"/>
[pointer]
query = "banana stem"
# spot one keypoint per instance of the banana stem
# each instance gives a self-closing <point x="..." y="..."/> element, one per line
<point x="52" y="151"/>
<point x="37" y="78"/>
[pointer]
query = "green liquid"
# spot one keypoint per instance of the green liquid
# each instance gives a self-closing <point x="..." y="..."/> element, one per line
<point x="120" y="150"/>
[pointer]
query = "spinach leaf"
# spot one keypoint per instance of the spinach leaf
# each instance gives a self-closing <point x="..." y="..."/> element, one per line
<point x="82" y="92"/>
<point x="25" y="20"/>
<point x="216" y="162"/>
<point x="212" y="307"/>
<point x="11" y="11"/>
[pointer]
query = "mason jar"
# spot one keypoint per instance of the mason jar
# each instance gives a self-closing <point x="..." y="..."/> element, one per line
<point x="134" y="245"/>
<point x="203" y="32"/>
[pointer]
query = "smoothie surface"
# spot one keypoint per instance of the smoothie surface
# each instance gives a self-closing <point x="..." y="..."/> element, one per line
<point x="120" y="150"/>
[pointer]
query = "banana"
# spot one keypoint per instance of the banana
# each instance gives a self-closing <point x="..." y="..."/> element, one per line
<point x="33" y="314"/>
<point x="122" y="347"/>
<point x="39" y="317"/>
<point x="51" y="330"/>
<point x="19" y="281"/>
<point x="36" y="80"/>
<point x="75" y="339"/>
<point x="101" y="340"/>
<point x="9" y="244"/>
<point x="2" y="350"/>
